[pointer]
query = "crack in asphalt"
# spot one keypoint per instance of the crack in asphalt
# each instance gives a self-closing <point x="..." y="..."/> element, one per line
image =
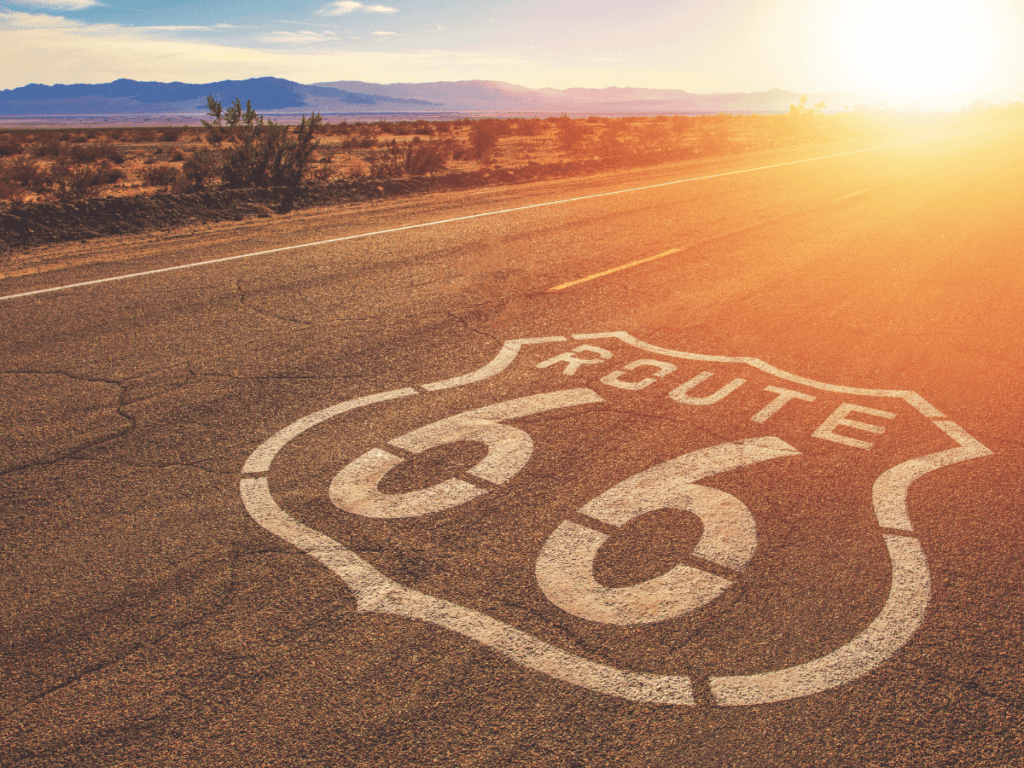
<point x="215" y="607"/>
<point x="72" y="455"/>
<point x="243" y="302"/>
<point x="465" y="324"/>
<point x="938" y="676"/>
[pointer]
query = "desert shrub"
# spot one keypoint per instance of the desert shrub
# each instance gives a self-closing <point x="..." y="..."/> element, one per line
<point x="48" y="145"/>
<point x="85" y="153"/>
<point x="161" y="175"/>
<point x="483" y="137"/>
<point x="397" y="128"/>
<point x="9" y="145"/>
<point x="321" y="174"/>
<point x="142" y="136"/>
<point x="571" y="134"/>
<point x="261" y="153"/>
<point x="415" y="158"/>
<point x="200" y="169"/>
<point x="613" y="143"/>
<point x="805" y="122"/>
<point x="177" y="155"/>
<point x="422" y="128"/>
<point x="108" y="172"/>
<point x="359" y="142"/>
<point x="405" y="127"/>
<point x="28" y="173"/>
<point x="423" y="157"/>
<point x="170" y="134"/>
<point x="531" y="127"/>
<point x="657" y="135"/>
<point x="74" y="182"/>
<point x="338" y="129"/>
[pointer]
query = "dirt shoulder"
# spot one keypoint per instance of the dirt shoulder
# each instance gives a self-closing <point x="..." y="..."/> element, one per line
<point x="30" y="224"/>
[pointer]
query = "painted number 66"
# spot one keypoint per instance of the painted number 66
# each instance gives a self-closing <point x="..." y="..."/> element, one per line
<point x="565" y="565"/>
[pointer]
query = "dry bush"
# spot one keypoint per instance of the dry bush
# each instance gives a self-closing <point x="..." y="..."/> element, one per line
<point x="170" y="134"/>
<point x="200" y="169"/>
<point x="177" y="155"/>
<point x="10" y="145"/>
<point x="28" y="173"/>
<point x="321" y="174"/>
<point x="337" y="129"/>
<point x="161" y="175"/>
<point x="405" y="127"/>
<point x="531" y="127"/>
<point x="614" y="142"/>
<point x="108" y="173"/>
<point x="74" y="182"/>
<point x="260" y="153"/>
<point x="415" y="158"/>
<point x="359" y="142"/>
<point x="461" y="150"/>
<point x="87" y="153"/>
<point x="484" y="137"/>
<point x="572" y="135"/>
<point x="47" y="145"/>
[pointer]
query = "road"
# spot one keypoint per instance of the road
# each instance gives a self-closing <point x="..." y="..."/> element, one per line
<point x="715" y="464"/>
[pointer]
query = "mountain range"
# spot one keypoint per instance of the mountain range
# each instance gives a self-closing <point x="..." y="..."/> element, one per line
<point x="268" y="94"/>
<point x="272" y="95"/>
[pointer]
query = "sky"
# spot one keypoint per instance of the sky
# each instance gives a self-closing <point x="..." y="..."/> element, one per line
<point x="906" y="48"/>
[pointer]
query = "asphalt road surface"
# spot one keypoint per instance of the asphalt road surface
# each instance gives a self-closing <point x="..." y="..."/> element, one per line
<point x="717" y="464"/>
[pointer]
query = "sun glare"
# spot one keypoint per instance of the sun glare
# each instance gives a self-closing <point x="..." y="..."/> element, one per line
<point x="912" y="48"/>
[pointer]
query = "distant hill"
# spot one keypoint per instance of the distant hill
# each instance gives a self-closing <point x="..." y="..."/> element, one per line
<point x="268" y="95"/>
<point x="494" y="95"/>
<point x="273" y="95"/>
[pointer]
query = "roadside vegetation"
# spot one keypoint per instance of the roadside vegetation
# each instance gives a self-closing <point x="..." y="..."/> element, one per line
<point x="237" y="149"/>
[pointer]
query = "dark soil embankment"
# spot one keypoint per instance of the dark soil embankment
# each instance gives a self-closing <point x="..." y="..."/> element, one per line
<point x="29" y="224"/>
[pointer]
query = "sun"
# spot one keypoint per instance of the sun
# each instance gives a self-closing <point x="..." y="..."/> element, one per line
<point x="916" y="48"/>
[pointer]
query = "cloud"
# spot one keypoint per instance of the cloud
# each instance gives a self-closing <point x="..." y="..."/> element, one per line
<point x="49" y="49"/>
<point x="296" y="38"/>
<point x="178" y="28"/>
<point x="348" y="6"/>
<point x="60" y="5"/>
<point x="383" y="33"/>
<point x="22" y="20"/>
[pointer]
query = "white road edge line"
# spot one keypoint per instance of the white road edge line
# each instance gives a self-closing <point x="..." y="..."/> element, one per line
<point x="196" y="264"/>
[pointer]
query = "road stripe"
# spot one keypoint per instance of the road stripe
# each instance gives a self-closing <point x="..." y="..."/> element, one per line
<point x="194" y="265"/>
<point x="621" y="267"/>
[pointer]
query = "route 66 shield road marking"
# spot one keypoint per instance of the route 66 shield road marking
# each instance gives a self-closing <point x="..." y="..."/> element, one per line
<point x="565" y="570"/>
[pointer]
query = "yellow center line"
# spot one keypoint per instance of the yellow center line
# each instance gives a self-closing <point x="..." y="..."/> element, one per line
<point x="619" y="268"/>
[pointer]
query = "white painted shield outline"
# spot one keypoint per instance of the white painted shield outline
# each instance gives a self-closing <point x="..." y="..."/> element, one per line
<point x="897" y="621"/>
